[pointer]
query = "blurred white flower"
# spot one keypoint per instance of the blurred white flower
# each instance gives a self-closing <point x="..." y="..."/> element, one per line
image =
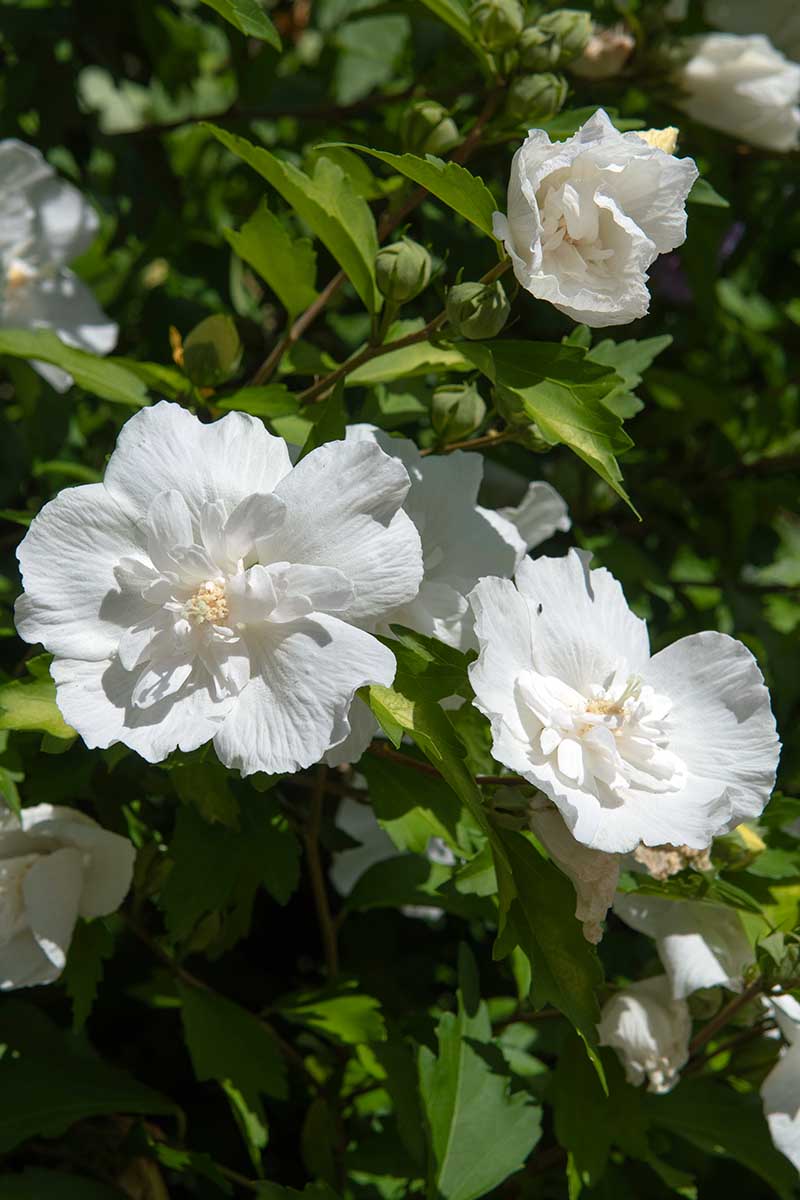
<point x="780" y="1091"/>
<point x="606" y="53"/>
<point x="587" y="217"/>
<point x="779" y="20"/>
<point x="55" y="865"/>
<point x="670" y="749"/>
<point x="700" y="945"/>
<point x="594" y="873"/>
<point x="207" y="589"/>
<point x="650" y="1032"/>
<point x="44" y="224"/>
<point x="744" y="87"/>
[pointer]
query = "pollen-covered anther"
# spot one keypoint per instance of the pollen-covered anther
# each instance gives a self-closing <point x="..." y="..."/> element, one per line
<point x="209" y="603"/>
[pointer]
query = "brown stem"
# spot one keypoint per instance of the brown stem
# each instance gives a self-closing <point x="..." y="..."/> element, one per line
<point x="493" y="438"/>
<point x="389" y="222"/>
<point x="724" y="1016"/>
<point x="381" y="750"/>
<point x="327" y="924"/>
<point x="741" y="1039"/>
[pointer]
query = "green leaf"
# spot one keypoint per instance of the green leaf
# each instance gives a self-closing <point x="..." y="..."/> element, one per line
<point x="629" y="360"/>
<point x="32" y="706"/>
<point x="327" y="202"/>
<point x="412" y="807"/>
<point x="347" y="1017"/>
<point x="37" y="1184"/>
<point x="248" y="17"/>
<point x="454" y="13"/>
<point x="330" y="423"/>
<point x="451" y="183"/>
<point x="229" y="1045"/>
<point x="206" y="785"/>
<point x="217" y="868"/>
<point x="272" y="400"/>
<point x="412" y="880"/>
<point x="479" y="1132"/>
<point x="212" y="351"/>
<point x="721" y="1121"/>
<point x="287" y="264"/>
<point x="370" y="52"/>
<point x="50" y="1079"/>
<point x="102" y="377"/>
<point x="423" y="358"/>
<point x="565" y="969"/>
<point x="91" y="944"/>
<point x="703" y="193"/>
<point x="428" y="669"/>
<point x="312" y="1191"/>
<point x="562" y="391"/>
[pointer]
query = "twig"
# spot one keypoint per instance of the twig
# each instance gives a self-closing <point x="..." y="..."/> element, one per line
<point x="741" y="1039"/>
<point x="327" y="924"/>
<point x="724" y="1015"/>
<point x="296" y="331"/>
<point x="493" y="438"/>
<point x="381" y="750"/>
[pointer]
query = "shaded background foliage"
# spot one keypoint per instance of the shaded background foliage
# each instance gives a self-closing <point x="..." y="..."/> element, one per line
<point x="110" y="94"/>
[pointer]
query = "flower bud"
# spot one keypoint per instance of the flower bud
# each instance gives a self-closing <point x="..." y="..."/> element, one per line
<point x="605" y="54"/>
<point x="538" y="51"/>
<point x="428" y="128"/>
<point x="212" y="352"/>
<point x="535" y="98"/>
<point x="569" y="29"/>
<point x="402" y="270"/>
<point x="478" y="310"/>
<point x="496" y="23"/>
<point x="457" y="410"/>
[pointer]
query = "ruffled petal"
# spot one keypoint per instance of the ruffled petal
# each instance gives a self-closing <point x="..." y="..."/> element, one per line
<point x="52" y="891"/>
<point x="541" y="513"/>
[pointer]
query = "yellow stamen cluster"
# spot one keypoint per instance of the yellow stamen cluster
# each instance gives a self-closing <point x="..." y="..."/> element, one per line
<point x="209" y="603"/>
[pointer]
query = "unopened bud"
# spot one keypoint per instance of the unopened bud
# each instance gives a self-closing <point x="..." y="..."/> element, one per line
<point x="569" y="29"/>
<point x="535" y="98"/>
<point x="496" y="23"/>
<point x="605" y="55"/>
<point x="478" y="310"/>
<point x="457" y="410"/>
<point x="402" y="270"/>
<point x="428" y="128"/>
<point x="538" y="51"/>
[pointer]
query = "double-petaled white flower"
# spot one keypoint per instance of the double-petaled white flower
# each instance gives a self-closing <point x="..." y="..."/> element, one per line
<point x="208" y="589"/>
<point x="780" y="1091"/>
<point x="55" y="865"/>
<point x="587" y="217"/>
<point x="670" y="749"/>
<point x="744" y="87"/>
<point x="700" y="945"/>
<point x="650" y="1031"/>
<point x="44" y="224"/>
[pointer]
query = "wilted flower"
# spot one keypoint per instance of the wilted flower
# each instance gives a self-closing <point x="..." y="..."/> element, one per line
<point x="700" y="945"/>
<point x="44" y="224"/>
<point x="207" y="589"/>
<point x="606" y="53"/>
<point x="676" y="748"/>
<point x="587" y="217"/>
<point x="55" y="865"/>
<point x="594" y="874"/>
<point x="650" y="1032"/>
<point x="779" y="20"/>
<point x="743" y="86"/>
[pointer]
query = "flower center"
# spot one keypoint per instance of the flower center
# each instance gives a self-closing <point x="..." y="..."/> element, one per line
<point x="17" y="274"/>
<point x="208" y="604"/>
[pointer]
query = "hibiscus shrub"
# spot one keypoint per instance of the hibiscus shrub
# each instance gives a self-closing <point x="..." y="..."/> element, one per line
<point x="400" y="599"/>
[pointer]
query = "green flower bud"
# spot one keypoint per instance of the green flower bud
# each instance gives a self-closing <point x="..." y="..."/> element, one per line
<point x="402" y="270"/>
<point x="457" y="410"/>
<point x="478" y="310"/>
<point x="538" y="51"/>
<point x="428" y="128"/>
<point x="496" y="23"/>
<point x="569" y="29"/>
<point x="535" y="98"/>
<point x="212" y="352"/>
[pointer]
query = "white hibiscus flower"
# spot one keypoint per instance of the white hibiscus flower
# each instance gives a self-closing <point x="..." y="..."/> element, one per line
<point x="700" y="945"/>
<point x="650" y="1032"/>
<point x="587" y="217"/>
<point x="207" y="589"/>
<point x="780" y="1091"/>
<point x="44" y="224"/>
<point x="743" y="86"/>
<point x="55" y="865"/>
<point x="670" y="749"/>
<point x="779" y="20"/>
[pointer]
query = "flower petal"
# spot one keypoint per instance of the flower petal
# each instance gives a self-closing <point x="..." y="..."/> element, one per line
<point x="52" y="891"/>
<point x="541" y="513"/>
